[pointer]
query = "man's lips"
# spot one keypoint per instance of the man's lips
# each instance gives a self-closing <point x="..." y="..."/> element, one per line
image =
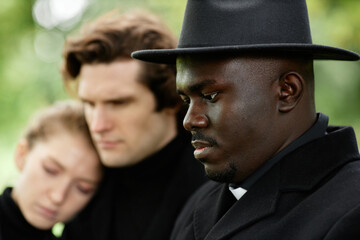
<point x="107" y="143"/>
<point x="200" y="144"/>
<point x="201" y="148"/>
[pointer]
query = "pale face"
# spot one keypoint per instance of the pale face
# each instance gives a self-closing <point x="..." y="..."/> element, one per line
<point x="58" y="177"/>
<point x="121" y="113"/>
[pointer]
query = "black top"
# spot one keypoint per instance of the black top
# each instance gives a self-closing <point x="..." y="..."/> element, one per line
<point x="13" y="225"/>
<point x="141" y="201"/>
<point x="311" y="193"/>
<point x="318" y="130"/>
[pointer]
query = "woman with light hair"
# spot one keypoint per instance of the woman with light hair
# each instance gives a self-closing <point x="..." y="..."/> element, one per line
<point x="59" y="173"/>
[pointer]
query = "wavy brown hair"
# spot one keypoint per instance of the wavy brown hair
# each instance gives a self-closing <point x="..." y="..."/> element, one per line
<point x="113" y="37"/>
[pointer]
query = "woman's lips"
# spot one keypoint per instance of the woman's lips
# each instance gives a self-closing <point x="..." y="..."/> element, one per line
<point x="47" y="212"/>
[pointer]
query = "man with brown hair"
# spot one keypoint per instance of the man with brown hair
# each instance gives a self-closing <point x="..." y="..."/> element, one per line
<point x="132" y="109"/>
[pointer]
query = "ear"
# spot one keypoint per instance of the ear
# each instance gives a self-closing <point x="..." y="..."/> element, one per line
<point x="291" y="89"/>
<point x="21" y="151"/>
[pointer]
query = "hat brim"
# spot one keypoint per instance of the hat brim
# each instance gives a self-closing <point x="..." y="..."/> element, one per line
<point x="169" y="56"/>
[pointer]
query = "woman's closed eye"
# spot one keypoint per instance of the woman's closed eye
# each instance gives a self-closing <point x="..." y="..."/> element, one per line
<point x="85" y="188"/>
<point x="51" y="170"/>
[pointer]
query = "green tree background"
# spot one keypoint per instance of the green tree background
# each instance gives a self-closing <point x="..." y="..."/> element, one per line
<point x="31" y="41"/>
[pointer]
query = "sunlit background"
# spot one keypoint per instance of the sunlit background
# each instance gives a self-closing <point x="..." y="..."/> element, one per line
<point x="32" y="34"/>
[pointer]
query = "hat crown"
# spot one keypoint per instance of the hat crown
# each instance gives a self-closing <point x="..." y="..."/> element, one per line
<point x="276" y="27"/>
<point x="211" y="23"/>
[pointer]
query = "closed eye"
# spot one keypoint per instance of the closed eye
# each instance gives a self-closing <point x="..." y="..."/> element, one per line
<point x="85" y="189"/>
<point x="120" y="102"/>
<point x="50" y="171"/>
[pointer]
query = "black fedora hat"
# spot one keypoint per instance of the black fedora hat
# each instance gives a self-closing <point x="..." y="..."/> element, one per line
<point x="245" y="26"/>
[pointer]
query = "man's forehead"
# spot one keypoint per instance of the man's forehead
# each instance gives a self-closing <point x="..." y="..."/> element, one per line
<point x="207" y="67"/>
<point x="243" y="64"/>
<point x="196" y="73"/>
<point x="194" y="86"/>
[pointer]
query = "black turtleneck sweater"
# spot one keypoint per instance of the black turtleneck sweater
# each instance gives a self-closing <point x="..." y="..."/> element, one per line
<point x="13" y="225"/>
<point x="141" y="201"/>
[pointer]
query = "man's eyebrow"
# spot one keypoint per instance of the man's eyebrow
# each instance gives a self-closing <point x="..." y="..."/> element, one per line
<point x="110" y="99"/>
<point x="198" y="86"/>
<point x="119" y="99"/>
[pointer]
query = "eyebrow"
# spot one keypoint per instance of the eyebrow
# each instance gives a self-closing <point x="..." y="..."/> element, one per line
<point x="55" y="161"/>
<point x="198" y="86"/>
<point x="113" y="99"/>
<point x="91" y="181"/>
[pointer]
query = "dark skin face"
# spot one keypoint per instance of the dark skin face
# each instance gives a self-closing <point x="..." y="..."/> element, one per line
<point x="239" y="111"/>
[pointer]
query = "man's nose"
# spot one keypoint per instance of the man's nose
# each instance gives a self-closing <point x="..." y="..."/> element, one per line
<point x="100" y="121"/>
<point x="195" y="118"/>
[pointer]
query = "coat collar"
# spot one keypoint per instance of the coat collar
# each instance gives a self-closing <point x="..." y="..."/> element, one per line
<point x="300" y="170"/>
<point x="256" y="208"/>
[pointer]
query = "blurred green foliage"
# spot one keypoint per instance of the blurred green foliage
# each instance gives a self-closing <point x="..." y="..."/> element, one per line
<point x="30" y="56"/>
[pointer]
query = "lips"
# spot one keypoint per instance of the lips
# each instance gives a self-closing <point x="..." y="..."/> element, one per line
<point x="202" y="148"/>
<point x="107" y="144"/>
<point x="199" y="144"/>
<point x="47" y="212"/>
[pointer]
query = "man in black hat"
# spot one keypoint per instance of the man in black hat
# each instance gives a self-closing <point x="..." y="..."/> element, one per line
<point x="245" y="69"/>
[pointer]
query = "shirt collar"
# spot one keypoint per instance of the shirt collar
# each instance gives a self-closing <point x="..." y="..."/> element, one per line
<point x="238" y="192"/>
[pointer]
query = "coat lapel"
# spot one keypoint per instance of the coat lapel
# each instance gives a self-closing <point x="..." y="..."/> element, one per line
<point x="206" y="213"/>
<point x="257" y="203"/>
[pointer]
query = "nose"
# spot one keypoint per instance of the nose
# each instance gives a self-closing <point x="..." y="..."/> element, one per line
<point x="195" y="118"/>
<point x="59" y="192"/>
<point x="99" y="121"/>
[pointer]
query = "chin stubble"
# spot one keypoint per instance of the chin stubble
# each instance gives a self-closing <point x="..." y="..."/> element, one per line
<point x="227" y="175"/>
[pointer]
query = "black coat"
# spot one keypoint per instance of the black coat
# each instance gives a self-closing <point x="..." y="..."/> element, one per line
<point x="312" y="193"/>
<point x="142" y="201"/>
<point x="13" y="225"/>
